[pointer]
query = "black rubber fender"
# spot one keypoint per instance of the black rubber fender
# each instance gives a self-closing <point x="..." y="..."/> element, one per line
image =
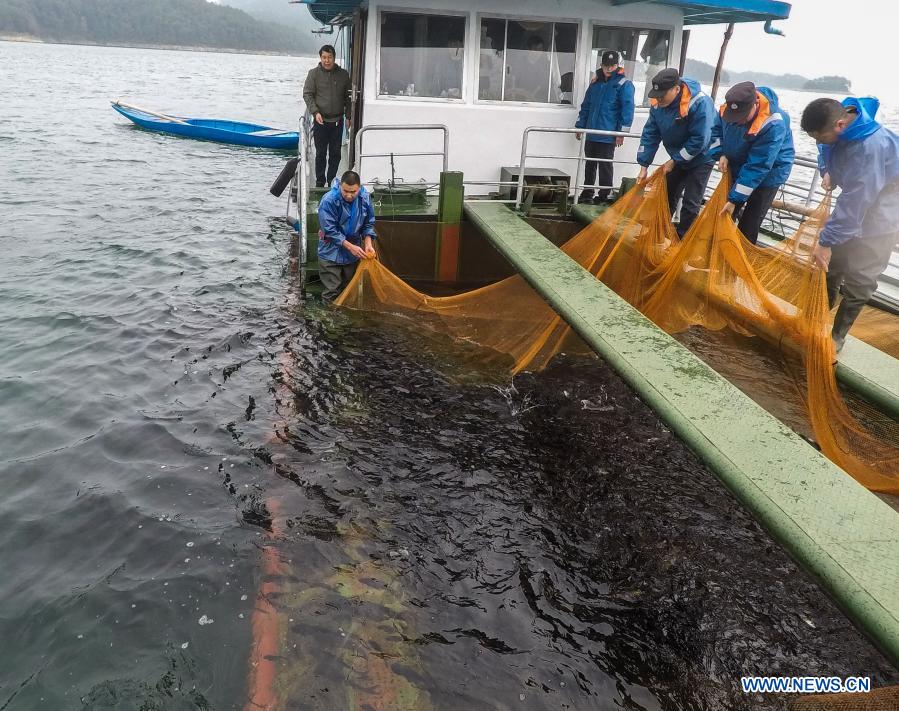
<point x="284" y="177"/>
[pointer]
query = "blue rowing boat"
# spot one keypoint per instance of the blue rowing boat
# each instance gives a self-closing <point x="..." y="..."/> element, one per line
<point x="223" y="131"/>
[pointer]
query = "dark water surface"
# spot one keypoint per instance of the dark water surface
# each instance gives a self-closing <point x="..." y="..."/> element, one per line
<point x="172" y="417"/>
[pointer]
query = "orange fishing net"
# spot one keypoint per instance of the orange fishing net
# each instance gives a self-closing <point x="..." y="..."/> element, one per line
<point x="714" y="278"/>
<point x="877" y="328"/>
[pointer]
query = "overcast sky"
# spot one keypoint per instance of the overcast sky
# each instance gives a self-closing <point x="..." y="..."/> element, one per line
<point x="856" y="39"/>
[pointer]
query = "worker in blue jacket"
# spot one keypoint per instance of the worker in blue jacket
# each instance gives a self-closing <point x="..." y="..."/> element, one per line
<point x="681" y="118"/>
<point x="346" y="233"/>
<point x="608" y="106"/>
<point x="862" y="158"/>
<point x="752" y="138"/>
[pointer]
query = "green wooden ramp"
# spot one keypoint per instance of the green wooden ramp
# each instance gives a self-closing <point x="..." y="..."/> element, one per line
<point x="834" y="527"/>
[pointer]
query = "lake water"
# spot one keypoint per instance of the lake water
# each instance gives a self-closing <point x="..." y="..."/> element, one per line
<point x="179" y="431"/>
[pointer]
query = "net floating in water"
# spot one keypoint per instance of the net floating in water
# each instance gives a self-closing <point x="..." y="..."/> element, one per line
<point x="713" y="278"/>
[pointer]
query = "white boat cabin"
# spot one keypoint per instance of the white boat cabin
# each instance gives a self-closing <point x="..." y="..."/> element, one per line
<point x="487" y="70"/>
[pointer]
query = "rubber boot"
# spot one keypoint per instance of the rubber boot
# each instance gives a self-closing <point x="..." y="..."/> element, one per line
<point x="842" y="322"/>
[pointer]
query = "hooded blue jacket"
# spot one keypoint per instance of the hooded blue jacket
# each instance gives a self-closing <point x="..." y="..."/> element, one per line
<point x="608" y="106"/>
<point x="684" y="127"/>
<point x="864" y="162"/>
<point x="340" y="220"/>
<point x="760" y="154"/>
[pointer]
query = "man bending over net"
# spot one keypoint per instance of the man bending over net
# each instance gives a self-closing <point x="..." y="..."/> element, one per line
<point x="680" y="118"/>
<point x="346" y="233"/>
<point x="860" y="156"/>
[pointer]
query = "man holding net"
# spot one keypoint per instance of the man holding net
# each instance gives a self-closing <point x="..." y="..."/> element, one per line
<point x="752" y="138"/>
<point x="346" y="233"/>
<point x="861" y="157"/>
<point x="680" y="118"/>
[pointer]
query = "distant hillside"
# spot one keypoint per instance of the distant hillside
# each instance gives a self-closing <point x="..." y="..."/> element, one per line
<point x="705" y="72"/>
<point x="841" y="85"/>
<point x="279" y="11"/>
<point x="184" y="23"/>
<point x="290" y="15"/>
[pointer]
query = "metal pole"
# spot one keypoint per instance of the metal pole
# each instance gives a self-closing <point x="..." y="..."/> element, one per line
<point x="728" y="33"/>
<point x="357" y="158"/>
<point x="684" y="43"/>
<point x="580" y="163"/>
<point x="816" y="179"/>
<point x="357" y="46"/>
<point x="502" y="90"/>
<point x="303" y="190"/>
<point x="521" y="164"/>
<point x="445" y="149"/>
<point x="552" y="54"/>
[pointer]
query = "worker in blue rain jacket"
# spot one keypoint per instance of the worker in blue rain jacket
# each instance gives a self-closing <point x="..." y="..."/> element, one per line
<point x="346" y="220"/>
<point x="752" y="138"/>
<point x="861" y="157"/>
<point x="680" y="118"/>
<point x="608" y="106"/>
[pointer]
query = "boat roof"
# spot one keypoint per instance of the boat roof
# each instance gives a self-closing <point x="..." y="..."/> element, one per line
<point x="710" y="12"/>
<point x="332" y="12"/>
<point x="696" y="12"/>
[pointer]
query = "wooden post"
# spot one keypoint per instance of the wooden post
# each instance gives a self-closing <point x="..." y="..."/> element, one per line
<point x="728" y="33"/>
<point x="449" y="222"/>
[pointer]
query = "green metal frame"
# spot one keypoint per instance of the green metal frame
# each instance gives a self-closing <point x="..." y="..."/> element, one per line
<point x="871" y="373"/>
<point x="840" y="532"/>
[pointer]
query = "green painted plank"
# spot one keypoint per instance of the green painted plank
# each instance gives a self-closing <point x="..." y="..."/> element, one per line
<point x="868" y="371"/>
<point x="871" y="373"/>
<point x="843" y="534"/>
<point x="586" y="213"/>
<point x="450" y="197"/>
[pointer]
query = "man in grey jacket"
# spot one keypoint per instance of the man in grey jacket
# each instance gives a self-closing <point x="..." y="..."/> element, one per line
<point x="327" y="96"/>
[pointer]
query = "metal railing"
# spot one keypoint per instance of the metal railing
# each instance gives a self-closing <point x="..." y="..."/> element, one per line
<point x="411" y="127"/>
<point x="796" y="198"/>
<point x="580" y="157"/>
<point x="806" y="192"/>
<point x="806" y="162"/>
<point x="302" y="182"/>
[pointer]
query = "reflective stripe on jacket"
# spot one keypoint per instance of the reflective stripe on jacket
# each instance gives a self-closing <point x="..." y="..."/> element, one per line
<point x="760" y="154"/>
<point x="684" y="127"/>
<point x="608" y="106"/>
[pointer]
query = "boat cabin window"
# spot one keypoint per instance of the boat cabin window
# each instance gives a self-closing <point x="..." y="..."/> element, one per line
<point x="527" y="61"/>
<point x="421" y="55"/>
<point x="644" y="53"/>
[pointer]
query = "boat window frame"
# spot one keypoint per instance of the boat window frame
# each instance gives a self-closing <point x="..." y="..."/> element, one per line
<point x="405" y="10"/>
<point x="626" y="25"/>
<point x="578" y="48"/>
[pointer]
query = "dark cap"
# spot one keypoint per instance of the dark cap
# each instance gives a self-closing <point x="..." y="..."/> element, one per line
<point x="663" y="81"/>
<point x="610" y="58"/>
<point x="739" y="100"/>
